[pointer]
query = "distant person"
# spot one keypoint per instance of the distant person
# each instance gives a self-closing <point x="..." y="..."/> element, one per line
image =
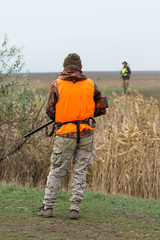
<point x="125" y="74"/>
<point x="73" y="102"/>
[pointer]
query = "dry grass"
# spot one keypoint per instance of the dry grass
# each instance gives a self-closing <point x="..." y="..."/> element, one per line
<point x="127" y="144"/>
<point x="127" y="152"/>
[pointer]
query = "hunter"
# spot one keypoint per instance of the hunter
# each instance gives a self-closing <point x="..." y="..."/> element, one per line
<point x="125" y="74"/>
<point x="73" y="102"/>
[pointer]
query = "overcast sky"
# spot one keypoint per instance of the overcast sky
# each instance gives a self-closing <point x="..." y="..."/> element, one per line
<point x="103" y="32"/>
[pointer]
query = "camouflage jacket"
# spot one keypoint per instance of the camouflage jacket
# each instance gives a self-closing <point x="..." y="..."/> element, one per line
<point x="73" y="73"/>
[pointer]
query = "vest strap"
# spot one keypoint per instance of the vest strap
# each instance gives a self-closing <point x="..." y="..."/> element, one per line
<point x="89" y="121"/>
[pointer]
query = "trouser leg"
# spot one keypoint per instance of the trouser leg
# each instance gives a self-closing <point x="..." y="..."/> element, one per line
<point x="125" y="85"/>
<point x="84" y="156"/>
<point x="62" y="153"/>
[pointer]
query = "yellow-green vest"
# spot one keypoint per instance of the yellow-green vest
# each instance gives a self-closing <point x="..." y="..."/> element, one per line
<point x="125" y="71"/>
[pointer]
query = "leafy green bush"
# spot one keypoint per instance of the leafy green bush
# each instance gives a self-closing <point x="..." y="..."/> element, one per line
<point x="20" y="106"/>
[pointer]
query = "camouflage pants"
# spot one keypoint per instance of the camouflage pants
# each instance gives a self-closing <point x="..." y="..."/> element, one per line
<point x="125" y="85"/>
<point x="64" y="150"/>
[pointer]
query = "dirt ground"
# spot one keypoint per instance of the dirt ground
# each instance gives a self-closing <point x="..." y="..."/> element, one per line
<point x="41" y="228"/>
<point x="21" y="226"/>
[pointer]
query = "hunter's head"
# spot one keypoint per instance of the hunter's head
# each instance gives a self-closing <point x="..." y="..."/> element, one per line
<point x="124" y="63"/>
<point x="73" y="59"/>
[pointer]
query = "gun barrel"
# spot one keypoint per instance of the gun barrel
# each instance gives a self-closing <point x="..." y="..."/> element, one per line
<point x="37" y="129"/>
<point x="106" y="101"/>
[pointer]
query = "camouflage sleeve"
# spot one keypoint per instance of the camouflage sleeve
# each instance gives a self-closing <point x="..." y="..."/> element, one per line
<point x="100" y="106"/>
<point x="52" y="100"/>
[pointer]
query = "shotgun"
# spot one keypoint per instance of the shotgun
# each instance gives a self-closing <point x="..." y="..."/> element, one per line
<point x="39" y="128"/>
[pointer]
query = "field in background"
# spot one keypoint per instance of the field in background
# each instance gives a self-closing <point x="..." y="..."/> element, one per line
<point x="148" y="83"/>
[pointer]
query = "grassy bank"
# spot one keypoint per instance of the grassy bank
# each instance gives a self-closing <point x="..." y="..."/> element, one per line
<point x="102" y="216"/>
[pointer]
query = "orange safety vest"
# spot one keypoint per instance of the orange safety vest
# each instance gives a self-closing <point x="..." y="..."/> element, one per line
<point x="76" y="102"/>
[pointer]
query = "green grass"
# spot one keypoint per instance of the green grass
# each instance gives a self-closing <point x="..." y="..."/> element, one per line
<point x="103" y="216"/>
<point x="112" y="89"/>
<point x="116" y="89"/>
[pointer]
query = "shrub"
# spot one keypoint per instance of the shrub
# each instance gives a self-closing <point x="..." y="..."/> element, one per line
<point x="21" y="110"/>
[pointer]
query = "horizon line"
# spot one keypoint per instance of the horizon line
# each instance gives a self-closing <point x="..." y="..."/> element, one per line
<point x="87" y="71"/>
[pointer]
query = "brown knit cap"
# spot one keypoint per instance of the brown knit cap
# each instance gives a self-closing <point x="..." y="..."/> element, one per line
<point x="74" y="59"/>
